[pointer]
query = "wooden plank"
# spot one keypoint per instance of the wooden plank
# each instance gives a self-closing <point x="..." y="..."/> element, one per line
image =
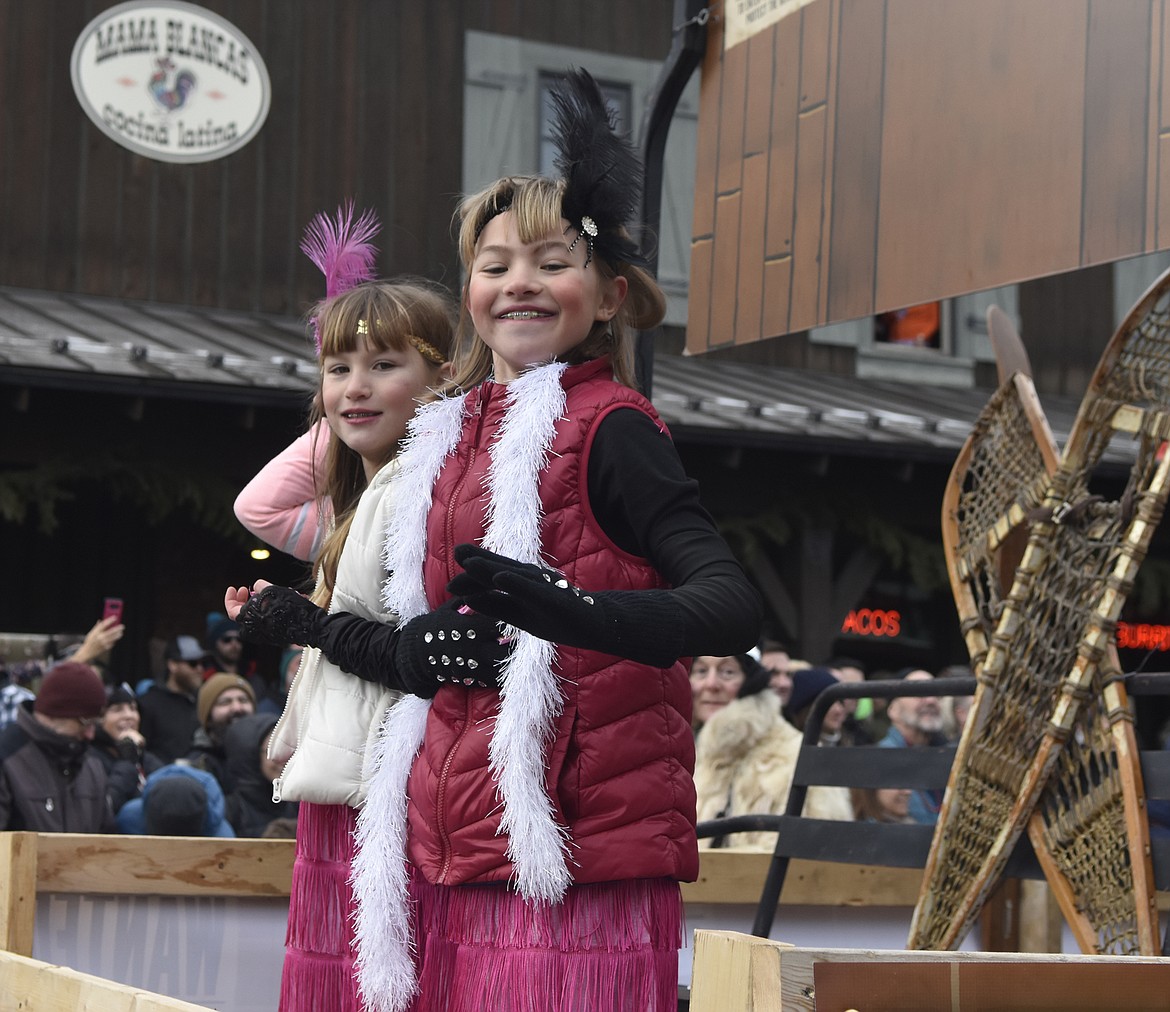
<point x="782" y="145"/>
<point x="777" y="295"/>
<point x="725" y="269"/>
<point x="750" y="283"/>
<point x="734" y="971"/>
<point x="815" y="20"/>
<point x="699" y="303"/>
<point x="897" y="986"/>
<point x="852" y="239"/>
<point x="170" y="866"/>
<point x="18" y="891"/>
<point x="1117" y="70"/>
<point x="732" y="99"/>
<point x="758" y="114"/>
<point x="33" y="986"/>
<point x="733" y="875"/>
<point x="809" y="224"/>
<point x="1154" y="121"/>
<point x="1163" y="188"/>
<point x="707" y="141"/>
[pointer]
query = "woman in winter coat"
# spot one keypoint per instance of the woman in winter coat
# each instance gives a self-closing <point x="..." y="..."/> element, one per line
<point x="745" y="759"/>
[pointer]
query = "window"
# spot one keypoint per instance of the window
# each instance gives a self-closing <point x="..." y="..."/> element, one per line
<point x="617" y="99"/>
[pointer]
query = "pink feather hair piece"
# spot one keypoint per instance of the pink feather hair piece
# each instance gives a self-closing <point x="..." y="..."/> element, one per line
<point x="342" y="249"/>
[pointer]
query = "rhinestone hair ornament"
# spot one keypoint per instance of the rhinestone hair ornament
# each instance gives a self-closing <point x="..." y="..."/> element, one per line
<point x="343" y="250"/>
<point x="601" y="171"/>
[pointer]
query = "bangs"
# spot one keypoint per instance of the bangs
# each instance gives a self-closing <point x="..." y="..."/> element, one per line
<point x="535" y="203"/>
<point x="384" y="320"/>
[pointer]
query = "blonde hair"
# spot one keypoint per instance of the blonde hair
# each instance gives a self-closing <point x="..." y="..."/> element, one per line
<point x="392" y="313"/>
<point x="535" y="204"/>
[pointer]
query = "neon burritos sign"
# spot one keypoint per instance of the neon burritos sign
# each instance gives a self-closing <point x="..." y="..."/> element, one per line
<point x="171" y="81"/>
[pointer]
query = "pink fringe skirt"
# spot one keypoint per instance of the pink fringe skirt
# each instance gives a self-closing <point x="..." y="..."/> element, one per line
<point x="606" y="947"/>
<point x="318" y="960"/>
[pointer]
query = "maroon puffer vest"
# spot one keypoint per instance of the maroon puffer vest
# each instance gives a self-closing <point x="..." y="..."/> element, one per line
<point x="621" y="757"/>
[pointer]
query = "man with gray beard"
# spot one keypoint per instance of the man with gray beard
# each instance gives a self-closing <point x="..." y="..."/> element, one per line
<point x="916" y="721"/>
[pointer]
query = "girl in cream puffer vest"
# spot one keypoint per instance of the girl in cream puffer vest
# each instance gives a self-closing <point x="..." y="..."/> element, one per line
<point x="382" y="348"/>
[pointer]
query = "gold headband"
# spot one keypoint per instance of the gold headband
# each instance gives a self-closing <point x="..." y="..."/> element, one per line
<point x="424" y="348"/>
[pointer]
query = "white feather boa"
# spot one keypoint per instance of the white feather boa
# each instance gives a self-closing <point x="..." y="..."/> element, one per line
<point x="530" y="699"/>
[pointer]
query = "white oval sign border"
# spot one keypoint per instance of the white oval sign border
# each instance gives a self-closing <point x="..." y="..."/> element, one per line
<point x="147" y="152"/>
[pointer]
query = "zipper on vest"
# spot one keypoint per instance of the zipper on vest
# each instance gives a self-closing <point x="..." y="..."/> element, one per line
<point x="441" y="794"/>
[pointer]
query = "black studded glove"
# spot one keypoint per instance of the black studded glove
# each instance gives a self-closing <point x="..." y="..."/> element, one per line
<point x="448" y="646"/>
<point x="645" y="626"/>
<point x="451" y="645"/>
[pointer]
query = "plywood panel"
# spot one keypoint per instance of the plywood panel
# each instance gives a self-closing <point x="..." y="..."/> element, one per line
<point x="856" y="162"/>
<point x="1116" y="148"/>
<point x="782" y="149"/>
<point x="725" y="269"/>
<point x="977" y="184"/>
<point x="750" y="289"/>
<point x="810" y="180"/>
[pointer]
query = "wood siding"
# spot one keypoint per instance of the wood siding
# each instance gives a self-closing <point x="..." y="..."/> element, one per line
<point x="899" y="151"/>
<point x="366" y="103"/>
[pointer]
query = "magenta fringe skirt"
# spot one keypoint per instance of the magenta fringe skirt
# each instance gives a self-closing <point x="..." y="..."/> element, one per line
<point x="318" y="959"/>
<point x="607" y="947"/>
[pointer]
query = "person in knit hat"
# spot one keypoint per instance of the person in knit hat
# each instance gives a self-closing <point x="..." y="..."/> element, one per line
<point x="223" y="699"/>
<point x="50" y="781"/>
<point x="806" y="686"/>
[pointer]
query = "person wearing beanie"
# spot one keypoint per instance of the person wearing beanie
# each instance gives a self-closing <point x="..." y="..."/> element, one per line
<point x="745" y="757"/>
<point x="167" y="710"/>
<point x="224" y="646"/>
<point x="177" y="800"/>
<point x="120" y="746"/>
<point x="806" y="686"/>
<point x="50" y="779"/>
<point x="223" y="699"/>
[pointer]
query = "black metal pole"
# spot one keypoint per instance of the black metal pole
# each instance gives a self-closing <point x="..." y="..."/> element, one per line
<point x="686" y="52"/>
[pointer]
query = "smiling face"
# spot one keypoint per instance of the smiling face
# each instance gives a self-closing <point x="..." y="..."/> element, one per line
<point x="532" y="302"/>
<point x="120" y="718"/>
<point x="369" y="394"/>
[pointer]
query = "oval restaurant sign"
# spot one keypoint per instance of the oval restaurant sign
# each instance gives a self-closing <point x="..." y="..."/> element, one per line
<point x="171" y="81"/>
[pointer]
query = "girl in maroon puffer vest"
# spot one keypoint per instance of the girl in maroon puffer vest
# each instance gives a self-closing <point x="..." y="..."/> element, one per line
<point x="522" y="841"/>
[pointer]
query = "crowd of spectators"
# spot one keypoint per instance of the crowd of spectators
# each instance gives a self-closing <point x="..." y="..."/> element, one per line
<point x="750" y="713"/>
<point x="185" y="754"/>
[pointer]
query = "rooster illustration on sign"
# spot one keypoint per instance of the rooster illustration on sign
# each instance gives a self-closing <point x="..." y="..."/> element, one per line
<point x="170" y="96"/>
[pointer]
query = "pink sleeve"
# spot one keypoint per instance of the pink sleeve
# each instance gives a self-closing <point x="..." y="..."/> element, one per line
<point x="280" y="505"/>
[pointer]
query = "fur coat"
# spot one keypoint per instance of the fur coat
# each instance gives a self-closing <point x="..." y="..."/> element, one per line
<point x="745" y="758"/>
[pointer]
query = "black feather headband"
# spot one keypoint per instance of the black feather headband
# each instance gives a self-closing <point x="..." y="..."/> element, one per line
<point x="601" y="171"/>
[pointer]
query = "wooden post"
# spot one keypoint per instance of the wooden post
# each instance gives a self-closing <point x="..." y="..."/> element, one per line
<point x="18" y="891"/>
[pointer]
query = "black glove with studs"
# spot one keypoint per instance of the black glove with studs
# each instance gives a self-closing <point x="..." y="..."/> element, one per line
<point x="448" y="646"/>
<point x="645" y="626"/>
